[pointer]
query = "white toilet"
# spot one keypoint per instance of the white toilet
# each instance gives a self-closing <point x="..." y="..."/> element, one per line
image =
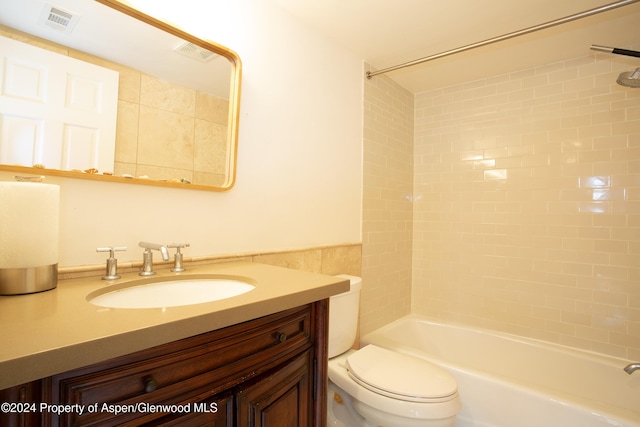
<point x="377" y="387"/>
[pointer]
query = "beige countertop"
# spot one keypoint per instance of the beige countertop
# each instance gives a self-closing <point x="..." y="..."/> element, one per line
<point x="54" y="331"/>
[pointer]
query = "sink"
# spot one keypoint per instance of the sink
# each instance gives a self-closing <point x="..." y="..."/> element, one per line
<point x="170" y="292"/>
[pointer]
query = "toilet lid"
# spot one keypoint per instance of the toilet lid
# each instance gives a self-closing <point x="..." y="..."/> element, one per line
<point x="400" y="376"/>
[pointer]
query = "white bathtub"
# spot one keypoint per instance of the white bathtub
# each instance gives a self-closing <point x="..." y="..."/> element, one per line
<point x="509" y="381"/>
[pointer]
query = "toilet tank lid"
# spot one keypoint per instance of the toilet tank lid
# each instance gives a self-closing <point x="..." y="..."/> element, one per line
<point x="354" y="281"/>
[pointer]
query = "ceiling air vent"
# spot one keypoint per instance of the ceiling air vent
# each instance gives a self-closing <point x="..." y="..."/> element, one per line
<point x="58" y="18"/>
<point x="196" y="52"/>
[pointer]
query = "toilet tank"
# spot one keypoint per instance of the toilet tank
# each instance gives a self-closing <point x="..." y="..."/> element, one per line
<point x="343" y="317"/>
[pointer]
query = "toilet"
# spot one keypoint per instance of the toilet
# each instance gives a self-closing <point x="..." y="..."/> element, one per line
<point x="379" y="387"/>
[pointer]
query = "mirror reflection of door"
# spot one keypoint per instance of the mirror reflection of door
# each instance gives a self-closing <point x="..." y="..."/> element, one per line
<point x="69" y="104"/>
<point x="156" y="64"/>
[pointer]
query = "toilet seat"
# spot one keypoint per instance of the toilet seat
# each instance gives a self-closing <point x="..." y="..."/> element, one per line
<point x="400" y="376"/>
<point x="376" y="404"/>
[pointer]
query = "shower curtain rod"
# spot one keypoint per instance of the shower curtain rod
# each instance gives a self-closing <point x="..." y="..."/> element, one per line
<point x="507" y="36"/>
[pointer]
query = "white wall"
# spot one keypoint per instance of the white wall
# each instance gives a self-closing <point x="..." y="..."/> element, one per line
<point x="299" y="178"/>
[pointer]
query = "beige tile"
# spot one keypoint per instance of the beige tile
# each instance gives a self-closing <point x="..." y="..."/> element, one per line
<point x="121" y="168"/>
<point x="211" y="108"/>
<point x="388" y="199"/>
<point x="167" y="96"/>
<point x="342" y="260"/>
<point x="205" y="178"/>
<point x="127" y="132"/>
<point x="564" y="143"/>
<point x="169" y="144"/>
<point x="308" y="260"/>
<point x="163" y="172"/>
<point x="210" y="147"/>
<point x="129" y="85"/>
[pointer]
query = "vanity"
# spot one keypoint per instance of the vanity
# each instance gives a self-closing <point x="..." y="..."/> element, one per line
<point x="256" y="359"/>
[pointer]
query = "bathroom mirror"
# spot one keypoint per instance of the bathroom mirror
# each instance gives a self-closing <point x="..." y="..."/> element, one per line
<point x="176" y="109"/>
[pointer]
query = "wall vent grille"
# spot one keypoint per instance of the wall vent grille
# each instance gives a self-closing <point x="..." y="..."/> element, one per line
<point x="58" y="18"/>
<point x="196" y="52"/>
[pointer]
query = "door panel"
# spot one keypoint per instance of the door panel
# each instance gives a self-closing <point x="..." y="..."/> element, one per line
<point x="55" y="110"/>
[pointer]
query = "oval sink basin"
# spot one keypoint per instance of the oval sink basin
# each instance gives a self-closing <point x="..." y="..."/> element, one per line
<point x="170" y="292"/>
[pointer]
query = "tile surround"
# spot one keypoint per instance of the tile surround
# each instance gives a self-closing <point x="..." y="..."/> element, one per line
<point x="387" y="203"/>
<point x="525" y="204"/>
<point x="527" y="218"/>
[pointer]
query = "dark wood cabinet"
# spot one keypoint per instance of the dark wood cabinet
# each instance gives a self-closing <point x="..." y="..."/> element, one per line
<point x="265" y="372"/>
<point x="21" y="405"/>
<point x="280" y="398"/>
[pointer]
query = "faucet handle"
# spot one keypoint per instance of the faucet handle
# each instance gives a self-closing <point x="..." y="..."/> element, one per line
<point x="111" y="250"/>
<point x="112" y="263"/>
<point x="179" y="245"/>
<point x="177" y="261"/>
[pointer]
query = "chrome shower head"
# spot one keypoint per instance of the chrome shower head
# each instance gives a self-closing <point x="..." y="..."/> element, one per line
<point x="630" y="79"/>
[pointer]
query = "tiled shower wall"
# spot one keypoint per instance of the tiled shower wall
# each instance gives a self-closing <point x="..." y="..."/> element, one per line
<point x="387" y="203"/>
<point x="527" y="211"/>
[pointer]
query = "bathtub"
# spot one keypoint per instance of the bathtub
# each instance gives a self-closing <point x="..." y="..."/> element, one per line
<point x="509" y="381"/>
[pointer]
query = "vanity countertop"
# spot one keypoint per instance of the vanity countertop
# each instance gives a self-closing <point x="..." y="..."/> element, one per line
<point x="58" y="330"/>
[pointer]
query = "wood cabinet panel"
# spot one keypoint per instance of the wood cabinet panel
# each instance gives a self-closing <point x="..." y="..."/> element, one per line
<point x="281" y="398"/>
<point x="23" y="409"/>
<point x="215" y="412"/>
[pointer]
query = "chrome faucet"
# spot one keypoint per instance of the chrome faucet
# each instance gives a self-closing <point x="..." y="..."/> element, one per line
<point x="177" y="260"/>
<point x="631" y="368"/>
<point x="112" y="262"/>
<point x="147" y="257"/>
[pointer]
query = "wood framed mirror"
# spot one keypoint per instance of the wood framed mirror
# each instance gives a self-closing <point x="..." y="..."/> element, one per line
<point x="171" y="119"/>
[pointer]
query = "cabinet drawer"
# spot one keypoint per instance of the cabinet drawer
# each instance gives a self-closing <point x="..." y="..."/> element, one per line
<point x="184" y="371"/>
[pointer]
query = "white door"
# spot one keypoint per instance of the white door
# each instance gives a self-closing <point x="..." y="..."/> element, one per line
<point x="55" y="110"/>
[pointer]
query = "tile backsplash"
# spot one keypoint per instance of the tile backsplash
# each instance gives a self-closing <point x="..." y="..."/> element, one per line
<point x="331" y="260"/>
<point x="527" y="205"/>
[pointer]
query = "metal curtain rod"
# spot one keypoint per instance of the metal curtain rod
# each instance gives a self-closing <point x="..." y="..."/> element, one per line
<point x="507" y="36"/>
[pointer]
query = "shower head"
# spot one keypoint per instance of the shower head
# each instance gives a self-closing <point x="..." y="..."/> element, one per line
<point x="630" y="79"/>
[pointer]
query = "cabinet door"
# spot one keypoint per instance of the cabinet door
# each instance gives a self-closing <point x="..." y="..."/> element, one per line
<point x="280" y="398"/>
<point x="213" y="412"/>
<point x="22" y="409"/>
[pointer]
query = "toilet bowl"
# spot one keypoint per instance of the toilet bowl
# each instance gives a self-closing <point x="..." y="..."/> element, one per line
<point x="380" y="387"/>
